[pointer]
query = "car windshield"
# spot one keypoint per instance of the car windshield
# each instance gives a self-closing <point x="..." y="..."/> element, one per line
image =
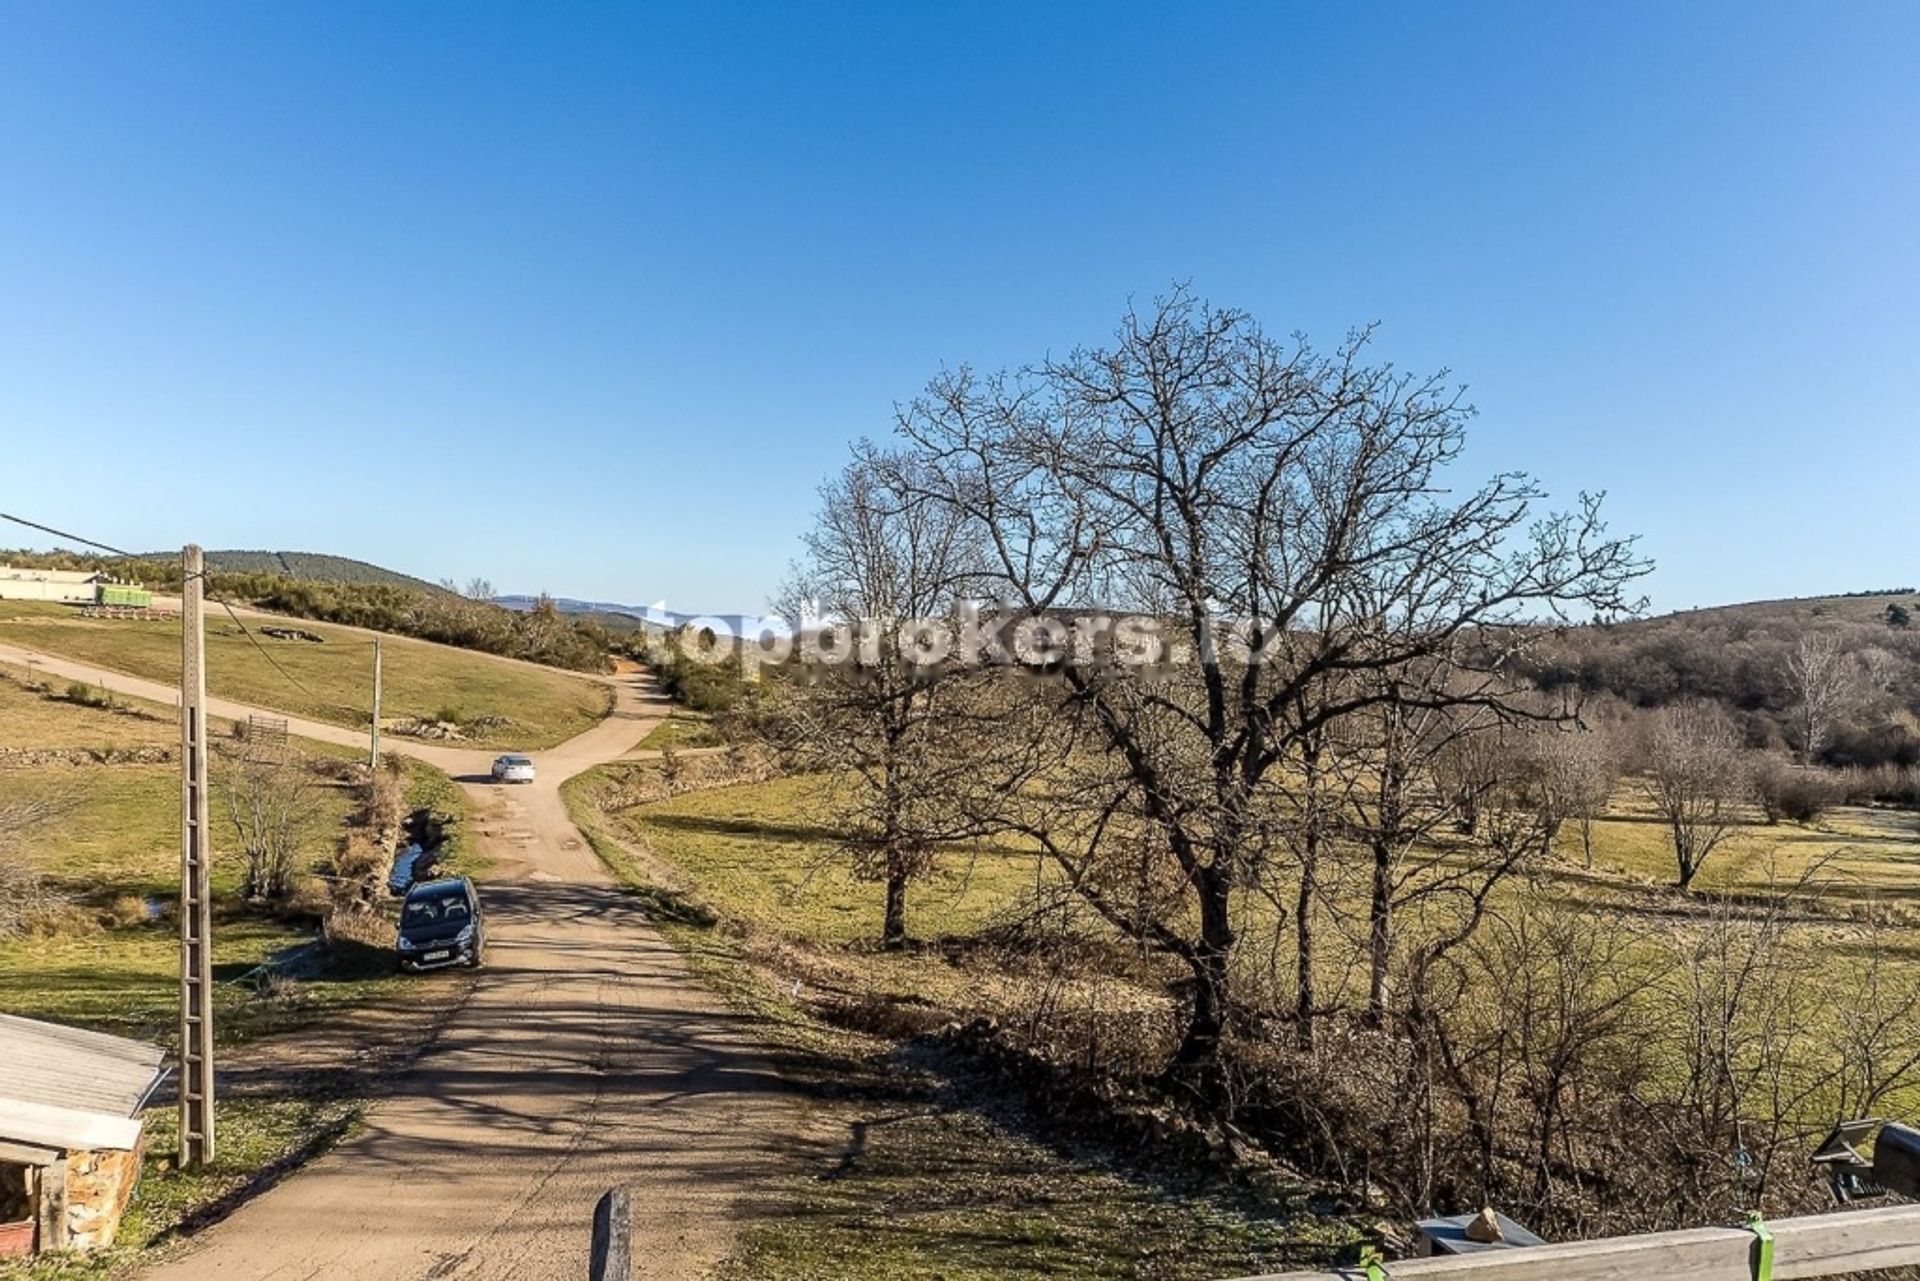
<point x="426" y="909"/>
<point x="516" y="760"/>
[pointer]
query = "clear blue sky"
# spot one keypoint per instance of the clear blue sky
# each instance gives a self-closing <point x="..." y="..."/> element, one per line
<point x="587" y="298"/>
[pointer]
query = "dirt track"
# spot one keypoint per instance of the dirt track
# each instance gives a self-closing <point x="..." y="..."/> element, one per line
<point x="587" y="1057"/>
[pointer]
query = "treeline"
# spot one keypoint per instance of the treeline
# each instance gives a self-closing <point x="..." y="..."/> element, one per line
<point x="539" y="635"/>
<point x="714" y="686"/>
<point x="1752" y="663"/>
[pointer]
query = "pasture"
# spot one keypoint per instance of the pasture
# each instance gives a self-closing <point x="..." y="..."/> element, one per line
<point x="498" y="702"/>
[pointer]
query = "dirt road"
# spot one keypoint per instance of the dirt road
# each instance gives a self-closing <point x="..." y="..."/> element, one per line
<point x="586" y="1058"/>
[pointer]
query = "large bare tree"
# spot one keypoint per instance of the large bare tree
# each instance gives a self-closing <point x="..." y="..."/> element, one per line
<point x="1700" y="780"/>
<point x="1284" y="518"/>
<point x="1825" y="677"/>
<point x="903" y="736"/>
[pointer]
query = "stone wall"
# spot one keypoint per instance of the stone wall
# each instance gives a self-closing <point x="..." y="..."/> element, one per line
<point x="99" y="1186"/>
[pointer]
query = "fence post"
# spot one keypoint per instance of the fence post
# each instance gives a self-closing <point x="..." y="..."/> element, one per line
<point x="612" y="1258"/>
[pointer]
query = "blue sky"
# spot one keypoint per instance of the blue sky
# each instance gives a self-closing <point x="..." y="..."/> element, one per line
<point x="587" y="298"/>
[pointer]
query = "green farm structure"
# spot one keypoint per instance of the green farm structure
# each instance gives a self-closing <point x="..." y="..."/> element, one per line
<point x="119" y="594"/>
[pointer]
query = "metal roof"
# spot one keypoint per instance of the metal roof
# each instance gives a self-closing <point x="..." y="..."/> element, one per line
<point x="49" y="1065"/>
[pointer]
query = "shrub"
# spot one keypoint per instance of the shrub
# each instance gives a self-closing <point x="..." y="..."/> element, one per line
<point x="1785" y="791"/>
<point x="85" y="695"/>
<point x="125" y="910"/>
<point x="26" y="899"/>
<point x="1885" y="784"/>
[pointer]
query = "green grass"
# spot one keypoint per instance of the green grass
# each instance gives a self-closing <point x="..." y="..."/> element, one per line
<point x="682" y="729"/>
<point x="1856" y="853"/>
<point x="41" y="716"/>
<point x="541" y="706"/>
<point x="953" y="1193"/>
<point x="125" y="979"/>
<point x="759" y="855"/>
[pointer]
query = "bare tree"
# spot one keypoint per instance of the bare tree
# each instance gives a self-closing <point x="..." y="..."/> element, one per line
<point x="900" y="734"/>
<point x="1825" y="678"/>
<point x="1578" y="773"/>
<point x="1281" y="518"/>
<point x="1700" y="780"/>
<point x="479" y="589"/>
<point x="270" y="798"/>
<point x="24" y="893"/>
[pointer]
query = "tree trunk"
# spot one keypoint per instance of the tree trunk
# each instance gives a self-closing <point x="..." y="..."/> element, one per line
<point x="1198" y="1058"/>
<point x="1304" y="996"/>
<point x="893" y="931"/>
<point x="1379" y="932"/>
<point x="1304" y="993"/>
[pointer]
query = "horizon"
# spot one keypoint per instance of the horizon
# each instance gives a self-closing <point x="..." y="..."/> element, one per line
<point x="589" y="301"/>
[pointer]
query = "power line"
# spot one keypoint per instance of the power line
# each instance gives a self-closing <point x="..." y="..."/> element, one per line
<point x="206" y="573"/>
<point x="275" y="663"/>
<point x="61" y="533"/>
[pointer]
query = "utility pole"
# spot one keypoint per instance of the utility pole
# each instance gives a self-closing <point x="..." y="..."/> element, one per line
<point x="196" y="853"/>
<point x="373" y="761"/>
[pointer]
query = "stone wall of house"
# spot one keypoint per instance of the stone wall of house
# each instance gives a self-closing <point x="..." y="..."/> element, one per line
<point x="99" y="1186"/>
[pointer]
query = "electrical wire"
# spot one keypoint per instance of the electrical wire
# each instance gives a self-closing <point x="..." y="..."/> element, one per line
<point x="61" y="533"/>
<point x="205" y="572"/>
<point x="275" y="663"/>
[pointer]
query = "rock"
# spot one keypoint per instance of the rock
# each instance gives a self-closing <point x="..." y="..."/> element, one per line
<point x="1484" y="1228"/>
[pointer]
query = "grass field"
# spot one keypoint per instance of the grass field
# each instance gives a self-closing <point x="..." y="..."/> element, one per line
<point x="539" y="706"/>
<point x="949" y="1189"/>
<point x="682" y="729"/>
<point x="112" y="846"/>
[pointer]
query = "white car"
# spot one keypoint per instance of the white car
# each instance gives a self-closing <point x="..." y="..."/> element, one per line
<point x="512" y="769"/>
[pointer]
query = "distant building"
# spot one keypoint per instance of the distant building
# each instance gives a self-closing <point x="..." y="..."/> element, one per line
<point x="70" y="587"/>
<point x="70" y="1133"/>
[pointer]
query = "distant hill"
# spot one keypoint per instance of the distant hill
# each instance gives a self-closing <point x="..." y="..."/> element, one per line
<point x="314" y="567"/>
<point x="628" y="618"/>
<point x="1743" y="657"/>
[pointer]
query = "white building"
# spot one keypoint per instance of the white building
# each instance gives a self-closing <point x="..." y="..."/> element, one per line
<point x="68" y="586"/>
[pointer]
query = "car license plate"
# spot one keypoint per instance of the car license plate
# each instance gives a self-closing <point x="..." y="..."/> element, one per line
<point x="441" y="955"/>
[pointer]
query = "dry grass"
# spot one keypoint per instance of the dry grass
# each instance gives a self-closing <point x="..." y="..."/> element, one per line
<point x="540" y="706"/>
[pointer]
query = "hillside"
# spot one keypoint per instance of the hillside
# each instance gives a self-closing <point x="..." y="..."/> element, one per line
<point x="316" y="567"/>
<point x="1749" y="658"/>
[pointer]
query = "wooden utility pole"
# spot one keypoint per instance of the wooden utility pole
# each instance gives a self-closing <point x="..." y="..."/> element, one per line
<point x="373" y="760"/>
<point x="196" y="853"/>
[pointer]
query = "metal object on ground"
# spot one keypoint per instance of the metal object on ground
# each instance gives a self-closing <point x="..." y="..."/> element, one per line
<point x="1869" y="1158"/>
<point x="1448" y="1234"/>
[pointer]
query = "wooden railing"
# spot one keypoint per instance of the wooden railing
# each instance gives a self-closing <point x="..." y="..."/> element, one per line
<point x="1819" y="1245"/>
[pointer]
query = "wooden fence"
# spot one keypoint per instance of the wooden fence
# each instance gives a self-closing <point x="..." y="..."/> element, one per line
<point x="1819" y="1245"/>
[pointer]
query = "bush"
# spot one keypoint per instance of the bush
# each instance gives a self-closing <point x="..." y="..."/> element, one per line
<point x="125" y="910"/>
<point x="1786" y="791"/>
<point x="85" y="695"/>
<point x="26" y="899"/>
<point x="1884" y="784"/>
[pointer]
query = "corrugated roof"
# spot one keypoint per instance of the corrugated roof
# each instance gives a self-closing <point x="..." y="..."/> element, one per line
<point x="51" y="1065"/>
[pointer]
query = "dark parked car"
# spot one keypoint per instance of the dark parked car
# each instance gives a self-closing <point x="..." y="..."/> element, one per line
<point x="441" y="924"/>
